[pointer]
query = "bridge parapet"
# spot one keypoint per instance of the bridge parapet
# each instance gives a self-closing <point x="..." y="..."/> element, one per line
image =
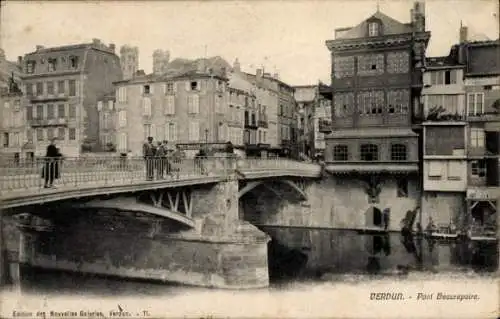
<point x="28" y="178"/>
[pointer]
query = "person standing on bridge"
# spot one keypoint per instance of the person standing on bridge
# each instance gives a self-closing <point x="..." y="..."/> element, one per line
<point x="149" y="151"/>
<point x="50" y="170"/>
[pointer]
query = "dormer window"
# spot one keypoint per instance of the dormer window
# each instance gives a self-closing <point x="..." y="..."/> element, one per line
<point x="52" y="65"/>
<point x="30" y="67"/>
<point x="373" y="29"/>
<point x="73" y="62"/>
<point x="147" y="89"/>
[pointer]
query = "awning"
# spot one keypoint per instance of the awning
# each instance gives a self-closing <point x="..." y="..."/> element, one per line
<point x="372" y="132"/>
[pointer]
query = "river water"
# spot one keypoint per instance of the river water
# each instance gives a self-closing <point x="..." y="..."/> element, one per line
<point x="314" y="273"/>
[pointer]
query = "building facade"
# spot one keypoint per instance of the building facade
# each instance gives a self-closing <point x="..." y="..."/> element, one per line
<point x="376" y="82"/>
<point x="185" y="108"/>
<point x="62" y="86"/>
<point x="445" y="142"/>
<point x="107" y="122"/>
<point x="305" y="96"/>
<point x="482" y="88"/>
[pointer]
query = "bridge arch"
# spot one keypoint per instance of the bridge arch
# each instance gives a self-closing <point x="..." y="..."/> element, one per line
<point x="253" y="184"/>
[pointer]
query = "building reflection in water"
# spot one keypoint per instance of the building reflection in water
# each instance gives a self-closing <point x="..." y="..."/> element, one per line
<point x="313" y="252"/>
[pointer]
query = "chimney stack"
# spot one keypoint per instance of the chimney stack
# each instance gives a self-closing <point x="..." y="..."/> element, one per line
<point x="236" y="65"/>
<point x="39" y="47"/>
<point x="258" y="74"/>
<point x="276" y="76"/>
<point x="20" y="60"/>
<point x="112" y="47"/>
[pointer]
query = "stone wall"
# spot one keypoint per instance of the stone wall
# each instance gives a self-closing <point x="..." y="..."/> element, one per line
<point x="333" y="202"/>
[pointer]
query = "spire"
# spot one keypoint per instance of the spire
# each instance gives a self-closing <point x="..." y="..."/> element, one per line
<point x="378" y="5"/>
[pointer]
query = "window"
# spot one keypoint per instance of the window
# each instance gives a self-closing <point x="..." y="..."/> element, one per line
<point x="122" y="118"/>
<point x="343" y="66"/>
<point x="372" y="64"/>
<point x="340" y="153"/>
<point x="454" y="169"/>
<point x="105" y="121"/>
<point x="370" y="102"/>
<point x="477" y="137"/>
<point x="475" y="103"/>
<point x="448" y="103"/>
<point x="110" y="105"/>
<point x="29" y="135"/>
<point x="193" y="104"/>
<point x="171" y="132"/>
<point x="146" y="106"/>
<point x="39" y="111"/>
<point x="369" y="152"/>
<point x="253" y="119"/>
<point x="29" y="112"/>
<point x="402" y="184"/>
<point x="170" y="105"/>
<point x="222" y="132"/>
<point x="435" y="169"/>
<point x="50" y="88"/>
<point x="30" y="89"/>
<point x="398" y="101"/>
<point x="343" y="104"/>
<point x="194" y="131"/>
<point x="246" y="118"/>
<point x="39" y="134"/>
<point x="52" y="65"/>
<point x="30" y="67"/>
<point x="72" y="111"/>
<point x="169" y="88"/>
<point x="398" y="62"/>
<point x="373" y="29"/>
<point x="39" y="88"/>
<point x="444" y="77"/>
<point x="398" y="152"/>
<point x="147" y="129"/>
<point x="61" y="133"/>
<point x="72" y="88"/>
<point x="122" y="94"/>
<point x="146" y="89"/>
<point x="5" y="139"/>
<point x="194" y="86"/>
<point x="122" y="142"/>
<point x="61" y="89"/>
<point x="478" y="168"/>
<point x="50" y="111"/>
<point x="73" y="62"/>
<point x="50" y="133"/>
<point x="72" y="134"/>
<point x="218" y="104"/>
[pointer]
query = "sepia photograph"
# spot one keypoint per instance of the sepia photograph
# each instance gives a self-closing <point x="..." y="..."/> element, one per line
<point x="249" y="159"/>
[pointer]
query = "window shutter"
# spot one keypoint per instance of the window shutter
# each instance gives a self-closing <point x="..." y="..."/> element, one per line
<point x="142" y="89"/>
<point x="196" y="104"/>
<point x="187" y="86"/>
<point x="174" y="85"/>
<point x="151" y="88"/>
<point x="174" y="135"/>
<point x="164" y="88"/>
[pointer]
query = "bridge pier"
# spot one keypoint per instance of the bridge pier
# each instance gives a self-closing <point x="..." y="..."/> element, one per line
<point x="219" y="251"/>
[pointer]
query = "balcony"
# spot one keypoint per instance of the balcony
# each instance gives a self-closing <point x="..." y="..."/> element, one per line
<point x="47" y="98"/>
<point x="440" y="114"/>
<point x="372" y="167"/>
<point x="325" y="126"/>
<point x="38" y="122"/>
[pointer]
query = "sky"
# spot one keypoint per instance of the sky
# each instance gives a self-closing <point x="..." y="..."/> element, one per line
<point x="287" y="36"/>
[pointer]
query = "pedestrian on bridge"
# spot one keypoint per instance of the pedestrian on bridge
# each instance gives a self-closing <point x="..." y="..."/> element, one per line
<point x="149" y="151"/>
<point x="161" y="159"/>
<point x="50" y="170"/>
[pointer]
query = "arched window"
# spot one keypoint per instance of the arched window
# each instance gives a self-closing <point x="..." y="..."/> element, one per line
<point x="398" y="152"/>
<point x="373" y="29"/>
<point x="369" y="152"/>
<point x="340" y="153"/>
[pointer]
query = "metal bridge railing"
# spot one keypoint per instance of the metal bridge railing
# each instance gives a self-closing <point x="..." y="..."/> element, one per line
<point x="97" y="171"/>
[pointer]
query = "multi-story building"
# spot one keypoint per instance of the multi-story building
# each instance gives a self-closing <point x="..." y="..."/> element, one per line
<point x="62" y="87"/>
<point x="376" y="81"/>
<point x="482" y="88"/>
<point x="186" y="108"/>
<point x="129" y="61"/>
<point x="160" y="61"/>
<point x="107" y="122"/>
<point x="314" y="104"/>
<point x="445" y="142"/>
<point x="277" y="101"/>
<point x="12" y="123"/>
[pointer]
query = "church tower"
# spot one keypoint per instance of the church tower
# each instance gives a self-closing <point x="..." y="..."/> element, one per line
<point x="129" y="60"/>
<point x="160" y="61"/>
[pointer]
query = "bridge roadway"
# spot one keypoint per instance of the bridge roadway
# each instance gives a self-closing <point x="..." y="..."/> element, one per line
<point x="22" y="184"/>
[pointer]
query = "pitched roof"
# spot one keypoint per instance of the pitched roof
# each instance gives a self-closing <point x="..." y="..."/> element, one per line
<point x="390" y="26"/>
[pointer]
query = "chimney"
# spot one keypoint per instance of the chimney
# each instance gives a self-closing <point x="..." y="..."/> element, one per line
<point x="201" y="67"/>
<point x="112" y="47"/>
<point x="96" y="41"/>
<point x="463" y="34"/>
<point x="236" y="66"/>
<point x="20" y="60"/>
<point x="258" y="74"/>
<point x="39" y="47"/>
<point x="276" y="76"/>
